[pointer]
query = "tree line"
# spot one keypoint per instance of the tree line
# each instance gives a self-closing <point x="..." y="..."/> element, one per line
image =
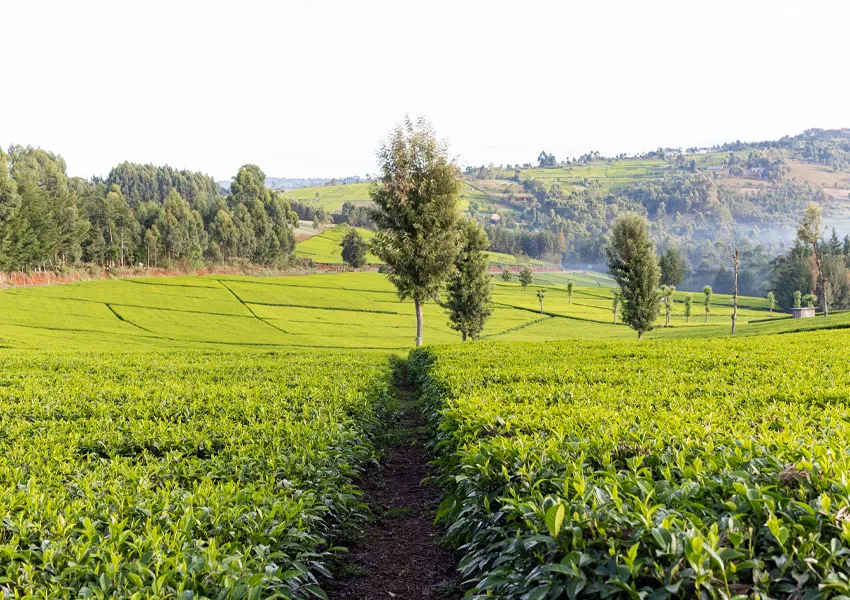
<point x="157" y="216"/>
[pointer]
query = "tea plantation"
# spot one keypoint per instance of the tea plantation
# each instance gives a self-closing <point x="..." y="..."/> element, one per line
<point x="665" y="469"/>
<point x="204" y="437"/>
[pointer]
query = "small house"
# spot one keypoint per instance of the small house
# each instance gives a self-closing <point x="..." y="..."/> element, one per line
<point x="803" y="313"/>
<point x="495" y="218"/>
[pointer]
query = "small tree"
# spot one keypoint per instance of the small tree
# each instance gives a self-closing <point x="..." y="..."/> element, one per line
<point x="798" y="296"/>
<point x="525" y="277"/>
<point x="540" y="294"/>
<point x="688" y="302"/>
<point x="634" y="266"/>
<point x="707" y="292"/>
<point x="506" y="274"/>
<point x="667" y="297"/>
<point x="616" y="297"/>
<point x="416" y="212"/>
<point x="353" y="248"/>
<point x="771" y="302"/>
<point x="810" y="300"/>
<point x="468" y="302"/>
<point x="570" y="291"/>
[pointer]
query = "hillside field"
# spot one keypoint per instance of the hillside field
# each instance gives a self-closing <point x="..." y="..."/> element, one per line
<point x="325" y="248"/>
<point x="351" y="310"/>
<point x="203" y="437"/>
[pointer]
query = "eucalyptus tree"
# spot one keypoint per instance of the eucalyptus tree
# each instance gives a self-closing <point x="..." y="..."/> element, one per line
<point x="468" y="290"/>
<point x="416" y="212"/>
<point x="634" y="266"/>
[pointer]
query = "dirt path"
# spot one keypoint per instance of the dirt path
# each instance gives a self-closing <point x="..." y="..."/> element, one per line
<point x="400" y="556"/>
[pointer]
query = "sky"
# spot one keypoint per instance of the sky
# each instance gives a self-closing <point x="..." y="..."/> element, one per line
<point x="309" y="89"/>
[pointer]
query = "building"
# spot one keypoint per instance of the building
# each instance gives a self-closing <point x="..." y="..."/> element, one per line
<point x="803" y="313"/>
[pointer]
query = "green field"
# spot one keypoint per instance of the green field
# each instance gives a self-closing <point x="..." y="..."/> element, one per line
<point x="331" y="197"/>
<point x="667" y="469"/>
<point x="325" y="247"/>
<point x="180" y="475"/>
<point x="202" y="437"/>
<point x="352" y="310"/>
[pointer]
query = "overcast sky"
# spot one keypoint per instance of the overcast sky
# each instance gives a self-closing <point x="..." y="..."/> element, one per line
<point x="310" y="88"/>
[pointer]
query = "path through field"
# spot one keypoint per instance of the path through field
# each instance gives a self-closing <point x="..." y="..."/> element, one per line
<point x="400" y="556"/>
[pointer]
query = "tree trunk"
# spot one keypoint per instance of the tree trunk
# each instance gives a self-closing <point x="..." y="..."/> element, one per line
<point x="821" y="279"/>
<point x="640" y="335"/>
<point x="615" y="318"/>
<point x="735" y="293"/>
<point x="463" y="336"/>
<point x="418" y="322"/>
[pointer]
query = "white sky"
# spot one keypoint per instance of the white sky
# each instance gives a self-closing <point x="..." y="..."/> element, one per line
<point x="310" y="88"/>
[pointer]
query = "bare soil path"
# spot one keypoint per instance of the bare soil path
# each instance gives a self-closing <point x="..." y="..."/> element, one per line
<point x="400" y="555"/>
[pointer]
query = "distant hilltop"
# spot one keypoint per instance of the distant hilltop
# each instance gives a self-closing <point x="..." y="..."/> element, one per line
<point x="294" y="183"/>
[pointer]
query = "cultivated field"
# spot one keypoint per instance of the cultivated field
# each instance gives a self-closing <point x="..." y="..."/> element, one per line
<point x="201" y="437"/>
<point x="350" y="310"/>
<point x="180" y="475"/>
<point x="687" y="469"/>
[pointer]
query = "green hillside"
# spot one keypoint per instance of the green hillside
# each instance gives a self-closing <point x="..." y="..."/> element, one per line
<point x="351" y="310"/>
<point x="325" y="248"/>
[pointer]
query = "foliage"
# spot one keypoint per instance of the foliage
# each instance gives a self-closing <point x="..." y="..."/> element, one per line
<point x="182" y="475"/>
<point x="695" y="469"/>
<point x="468" y="289"/>
<point x="632" y="263"/>
<point x="525" y="277"/>
<point x="672" y="265"/>
<point x="506" y="274"/>
<point x="353" y="248"/>
<point x="416" y="212"/>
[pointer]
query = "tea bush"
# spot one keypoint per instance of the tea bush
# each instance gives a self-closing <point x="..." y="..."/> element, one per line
<point x="180" y="475"/>
<point x="645" y="470"/>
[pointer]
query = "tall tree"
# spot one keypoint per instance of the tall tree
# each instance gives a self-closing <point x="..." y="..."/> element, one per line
<point x="416" y="213"/>
<point x="688" y="307"/>
<point x="667" y="292"/>
<point x="809" y="231"/>
<point x="570" y="287"/>
<point x="634" y="266"/>
<point x="353" y="248"/>
<point x="616" y="296"/>
<point x="706" y="300"/>
<point x="771" y="303"/>
<point x="468" y="290"/>
<point x="672" y="265"/>
<point x="735" y="262"/>
<point x="10" y="204"/>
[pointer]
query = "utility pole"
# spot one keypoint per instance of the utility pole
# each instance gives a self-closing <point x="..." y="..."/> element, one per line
<point x="735" y="292"/>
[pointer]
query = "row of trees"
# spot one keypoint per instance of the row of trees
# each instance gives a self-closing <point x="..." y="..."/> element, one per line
<point x="140" y="214"/>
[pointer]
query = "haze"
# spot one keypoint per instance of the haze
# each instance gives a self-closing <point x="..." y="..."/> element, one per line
<point x="309" y="88"/>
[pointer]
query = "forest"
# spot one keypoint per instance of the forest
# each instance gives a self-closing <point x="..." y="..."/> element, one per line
<point x="157" y="216"/>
